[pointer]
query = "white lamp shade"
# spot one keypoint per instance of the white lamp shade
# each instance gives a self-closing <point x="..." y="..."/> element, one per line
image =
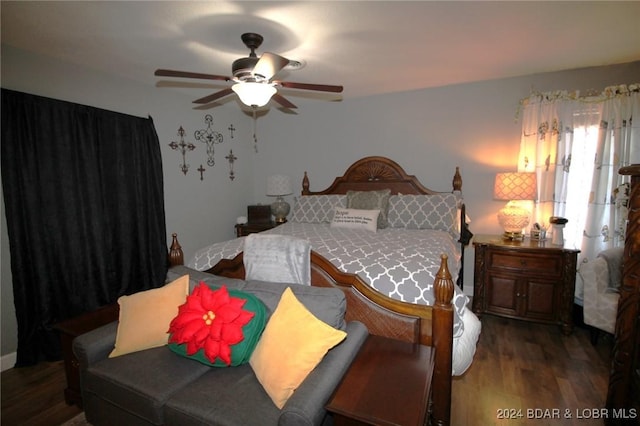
<point x="278" y="185"/>
<point x="515" y="186"/>
<point x="254" y="94"/>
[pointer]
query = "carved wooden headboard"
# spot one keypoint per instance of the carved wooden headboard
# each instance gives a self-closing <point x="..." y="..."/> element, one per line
<point x="372" y="173"/>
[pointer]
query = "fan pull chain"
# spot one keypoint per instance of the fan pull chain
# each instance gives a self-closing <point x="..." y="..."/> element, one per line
<point x="255" y="125"/>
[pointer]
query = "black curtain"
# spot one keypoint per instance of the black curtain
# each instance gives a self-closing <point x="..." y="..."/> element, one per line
<point x="84" y="204"/>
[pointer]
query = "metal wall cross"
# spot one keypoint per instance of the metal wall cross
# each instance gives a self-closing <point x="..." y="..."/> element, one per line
<point x="231" y="158"/>
<point x="183" y="147"/>
<point x="209" y="137"/>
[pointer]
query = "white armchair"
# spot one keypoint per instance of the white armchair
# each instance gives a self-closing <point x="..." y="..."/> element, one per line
<point x="601" y="278"/>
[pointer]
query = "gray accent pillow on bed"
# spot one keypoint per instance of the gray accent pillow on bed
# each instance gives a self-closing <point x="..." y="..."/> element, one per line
<point x="371" y="200"/>
<point x="317" y="208"/>
<point x="437" y="211"/>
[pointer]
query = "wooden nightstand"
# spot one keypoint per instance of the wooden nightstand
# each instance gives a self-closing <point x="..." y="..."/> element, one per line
<point x="388" y="383"/>
<point x="529" y="280"/>
<point x="70" y="329"/>
<point x="242" y="230"/>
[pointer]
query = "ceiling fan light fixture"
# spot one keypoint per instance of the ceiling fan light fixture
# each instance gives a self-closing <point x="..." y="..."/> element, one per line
<point x="254" y="94"/>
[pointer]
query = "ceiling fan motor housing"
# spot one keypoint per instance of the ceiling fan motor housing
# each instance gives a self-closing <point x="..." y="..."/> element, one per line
<point x="243" y="69"/>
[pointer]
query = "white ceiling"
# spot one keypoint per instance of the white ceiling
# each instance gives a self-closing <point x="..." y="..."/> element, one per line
<point x="369" y="47"/>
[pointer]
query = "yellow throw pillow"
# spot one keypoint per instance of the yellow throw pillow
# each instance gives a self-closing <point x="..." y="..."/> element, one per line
<point x="145" y="317"/>
<point x="292" y="344"/>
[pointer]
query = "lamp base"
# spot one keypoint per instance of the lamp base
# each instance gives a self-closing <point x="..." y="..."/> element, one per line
<point x="513" y="236"/>
<point x="280" y="209"/>
<point x="513" y="218"/>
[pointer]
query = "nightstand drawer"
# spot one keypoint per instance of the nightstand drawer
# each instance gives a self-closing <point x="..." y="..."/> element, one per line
<point x="524" y="263"/>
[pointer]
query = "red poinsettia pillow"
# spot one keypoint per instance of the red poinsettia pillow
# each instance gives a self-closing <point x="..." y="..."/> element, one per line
<point x="218" y="327"/>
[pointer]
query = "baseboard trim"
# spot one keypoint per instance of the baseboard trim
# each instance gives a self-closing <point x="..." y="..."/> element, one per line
<point x="8" y="361"/>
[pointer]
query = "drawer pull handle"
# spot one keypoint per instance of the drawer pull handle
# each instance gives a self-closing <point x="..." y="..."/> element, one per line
<point x="523" y="262"/>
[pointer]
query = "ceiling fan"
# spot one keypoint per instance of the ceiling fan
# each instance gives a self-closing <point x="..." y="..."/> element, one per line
<point x="253" y="78"/>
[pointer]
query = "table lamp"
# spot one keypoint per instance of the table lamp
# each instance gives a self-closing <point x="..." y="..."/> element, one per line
<point x="514" y="187"/>
<point x="277" y="186"/>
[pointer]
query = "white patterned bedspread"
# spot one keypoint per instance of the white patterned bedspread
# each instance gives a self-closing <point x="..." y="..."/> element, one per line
<point x="400" y="263"/>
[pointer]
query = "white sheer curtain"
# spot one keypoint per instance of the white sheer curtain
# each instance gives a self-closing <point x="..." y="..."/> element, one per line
<point x="576" y="145"/>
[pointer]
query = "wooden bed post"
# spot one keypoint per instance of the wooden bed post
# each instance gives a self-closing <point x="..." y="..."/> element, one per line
<point x="457" y="180"/>
<point x="305" y="184"/>
<point x="443" y="342"/>
<point x="176" y="257"/>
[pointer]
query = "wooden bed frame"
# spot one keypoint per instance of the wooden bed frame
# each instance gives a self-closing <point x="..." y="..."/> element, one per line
<point x="384" y="316"/>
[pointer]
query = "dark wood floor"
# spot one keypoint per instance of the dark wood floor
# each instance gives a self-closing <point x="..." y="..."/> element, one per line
<point x="521" y="366"/>
<point x="34" y="396"/>
<point x="518" y="366"/>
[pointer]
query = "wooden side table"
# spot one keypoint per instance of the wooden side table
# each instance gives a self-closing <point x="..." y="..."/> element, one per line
<point x="242" y="230"/>
<point x="388" y="383"/>
<point x="69" y="330"/>
<point x="529" y="280"/>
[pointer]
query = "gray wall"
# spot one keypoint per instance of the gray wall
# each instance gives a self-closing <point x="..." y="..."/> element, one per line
<point x="428" y="132"/>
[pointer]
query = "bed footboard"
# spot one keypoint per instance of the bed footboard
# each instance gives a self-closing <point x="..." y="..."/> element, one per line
<point x="384" y="316"/>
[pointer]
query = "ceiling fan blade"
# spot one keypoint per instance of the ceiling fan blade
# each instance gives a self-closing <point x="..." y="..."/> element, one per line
<point x="283" y="101"/>
<point x="187" y="74"/>
<point x="214" y="96"/>
<point x="307" y="86"/>
<point x="269" y="65"/>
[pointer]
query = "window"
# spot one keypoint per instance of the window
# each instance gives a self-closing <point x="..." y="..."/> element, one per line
<point x="583" y="151"/>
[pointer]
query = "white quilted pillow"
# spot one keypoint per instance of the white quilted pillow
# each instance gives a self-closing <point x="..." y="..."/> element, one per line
<point x="356" y="219"/>
<point x="317" y="208"/>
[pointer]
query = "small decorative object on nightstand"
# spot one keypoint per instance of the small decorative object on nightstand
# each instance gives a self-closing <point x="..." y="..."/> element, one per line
<point x="258" y="219"/>
<point x="258" y="214"/>
<point x="529" y="280"/>
<point x="557" y="223"/>
<point x="277" y="186"/>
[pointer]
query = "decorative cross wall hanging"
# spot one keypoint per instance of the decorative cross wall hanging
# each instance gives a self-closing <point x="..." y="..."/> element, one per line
<point x="183" y="147"/>
<point x="209" y="137"/>
<point x="201" y="170"/>
<point x="231" y="158"/>
<point x="231" y="130"/>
